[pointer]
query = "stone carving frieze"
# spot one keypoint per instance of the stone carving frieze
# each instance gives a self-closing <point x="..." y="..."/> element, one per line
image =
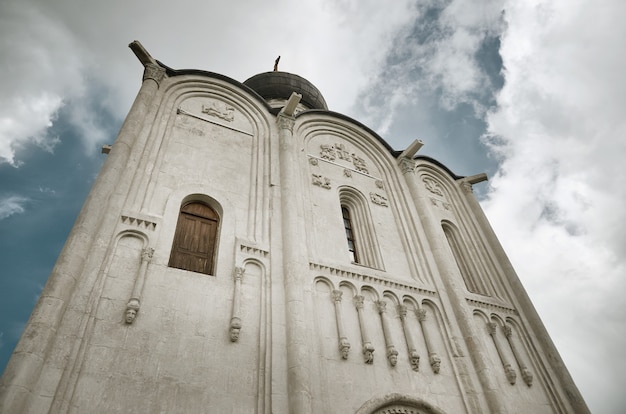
<point x="332" y="152"/>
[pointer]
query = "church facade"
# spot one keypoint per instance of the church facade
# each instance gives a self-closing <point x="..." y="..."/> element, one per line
<point x="246" y="250"/>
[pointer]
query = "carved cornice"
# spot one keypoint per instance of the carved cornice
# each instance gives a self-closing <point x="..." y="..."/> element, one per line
<point x="370" y="279"/>
<point x="257" y="251"/>
<point x="491" y="306"/>
<point x="138" y="220"/>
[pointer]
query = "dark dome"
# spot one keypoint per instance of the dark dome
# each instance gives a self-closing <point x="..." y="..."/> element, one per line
<point x="280" y="85"/>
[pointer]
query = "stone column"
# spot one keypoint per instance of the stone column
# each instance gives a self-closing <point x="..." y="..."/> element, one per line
<point x="414" y="357"/>
<point x="26" y="364"/>
<point x="134" y="303"/>
<point x="433" y="358"/>
<point x="344" y="345"/>
<point x="392" y="353"/>
<point x="368" y="348"/>
<point x="449" y="286"/>
<point x="295" y="262"/>
<point x="235" y="320"/>
<point x="508" y="369"/>
<point x="527" y="376"/>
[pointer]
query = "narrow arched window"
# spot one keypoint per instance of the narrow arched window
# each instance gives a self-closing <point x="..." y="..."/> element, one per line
<point x="347" y="224"/>
<point x="359" y="228"/>
<point x="471" y="277"/>
<point x="195" y="240"/>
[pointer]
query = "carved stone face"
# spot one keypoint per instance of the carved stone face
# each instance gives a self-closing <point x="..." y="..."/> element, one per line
<point x="369" y="356"/>
<point x="510" y="374"/>
<point x="527" y="376"/>
<point x="345" y="350"/>
<point x="130" y="315"/>
<point x="415" y="360"/>
<point x="393" y="359"/>
<point x="435" y="362"/>
<point x="234" y="334"/>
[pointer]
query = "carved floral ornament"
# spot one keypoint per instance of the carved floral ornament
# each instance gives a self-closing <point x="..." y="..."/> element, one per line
<point x="432" y="186"/>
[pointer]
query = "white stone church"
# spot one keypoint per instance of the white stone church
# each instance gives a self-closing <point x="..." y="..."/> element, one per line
<point x="246" y="250"/>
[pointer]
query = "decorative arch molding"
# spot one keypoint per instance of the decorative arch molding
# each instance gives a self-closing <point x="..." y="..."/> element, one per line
<point x="384" y="167"/>
<point x="398" y="403"/>
<point x="451" y="196"/>
<point x="161" y="124"/>
<point x="469" y="273"/>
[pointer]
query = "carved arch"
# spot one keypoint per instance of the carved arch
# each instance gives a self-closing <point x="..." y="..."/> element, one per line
<point x="324" y="280"/>
<point x="387" y="403"/>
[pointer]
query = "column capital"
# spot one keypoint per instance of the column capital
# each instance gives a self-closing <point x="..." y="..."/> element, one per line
<point x="407" y="165"/>
<point x="381" y="305"/>
<point x="358" y="301"/>
<point x="402" y="311"/>
<point x="491" y="328"/>
<point x="146" y="254"/>
<point x="285" y="121"/>
<point x="421" y="314"/>
<point x="239" y="271"/>
<point x="154" y="72"/>
<point x="336" y="295"/>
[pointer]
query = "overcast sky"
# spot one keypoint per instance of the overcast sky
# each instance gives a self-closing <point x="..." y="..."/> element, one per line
<point x="531" y="92"/>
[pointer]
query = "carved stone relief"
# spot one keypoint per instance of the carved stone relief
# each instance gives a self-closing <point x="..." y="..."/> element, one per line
<point x="347" y="172"/>
<point x="313" y="161"/>
<point x="321" y="181"/>
<point x="432" y="186"/>
<point x="379" y="199"/>
<point x="339" y="151"/>
<point x="220" y="110"/>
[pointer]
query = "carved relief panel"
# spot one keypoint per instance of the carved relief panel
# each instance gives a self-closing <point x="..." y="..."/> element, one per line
<point x="198" y="115"/>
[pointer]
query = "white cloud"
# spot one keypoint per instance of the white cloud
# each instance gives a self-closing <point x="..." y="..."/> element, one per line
<point x="436" y="55"/>
<point x="559" y="195"/>
<point x="37" y="75"/>
<point x="12" y="205"/>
